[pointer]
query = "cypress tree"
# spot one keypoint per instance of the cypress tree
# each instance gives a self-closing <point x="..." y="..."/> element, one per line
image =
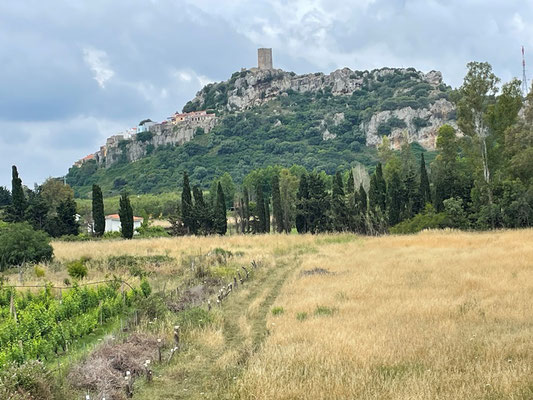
<point x="267" y="215"/>
<point x="394" y="199"/>
<point x="260" y="225"/>
<point x="318" y="207"/>
<point x="98" y="211"/>
<point x="16" y="211"/>
<point x="125" y="213"/>
<point x="363" y="199"/>
<point x="187" y="206"/>
<point x="339" y="215"/>
<point x="301" y="205"/>
<point x="424" y="192"/>
<point x="409" y="194"/>
<point x="246" y="210"/>
<point x="220" y="220"/>
<point x="277" y="210"/>
<point x="382" y="187"/>
<point x="350" y="184"/>
<point x="202" y="214"/>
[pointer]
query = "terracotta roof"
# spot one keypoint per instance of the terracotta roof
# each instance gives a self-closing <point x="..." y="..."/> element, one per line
<point x="116" y="216"/>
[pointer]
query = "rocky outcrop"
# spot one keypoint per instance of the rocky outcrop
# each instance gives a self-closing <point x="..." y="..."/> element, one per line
<point x="254" y="87"/>
<point x="439" y="113"/>
<point x="133" y="149"/>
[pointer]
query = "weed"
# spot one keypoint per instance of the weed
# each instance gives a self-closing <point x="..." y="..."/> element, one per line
<point x="277" y="310"/>
<point x="325" y="311"/>
<point x="301" y="316"/>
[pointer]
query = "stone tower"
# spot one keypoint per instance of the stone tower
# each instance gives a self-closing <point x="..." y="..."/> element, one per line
<point x="264" y="58"/>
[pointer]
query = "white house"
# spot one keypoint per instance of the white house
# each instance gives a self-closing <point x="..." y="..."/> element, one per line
<point x="144" y="126"/>
<point x="112" y="223"/>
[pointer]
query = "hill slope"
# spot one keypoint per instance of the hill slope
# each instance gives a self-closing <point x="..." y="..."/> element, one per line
<point x="266" y="117"/>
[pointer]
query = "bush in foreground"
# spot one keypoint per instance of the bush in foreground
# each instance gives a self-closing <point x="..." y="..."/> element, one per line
<point x="20" y="243"/>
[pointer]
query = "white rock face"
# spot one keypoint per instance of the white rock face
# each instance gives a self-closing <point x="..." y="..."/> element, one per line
<point x="169" y="135"/>
<point x="438" y="114"/>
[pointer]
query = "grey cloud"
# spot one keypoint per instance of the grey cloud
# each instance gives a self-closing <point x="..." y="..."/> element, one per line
<point x="75" y="72"/>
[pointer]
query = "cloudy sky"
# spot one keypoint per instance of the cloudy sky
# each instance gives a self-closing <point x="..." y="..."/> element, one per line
<point x="75" y="72"/>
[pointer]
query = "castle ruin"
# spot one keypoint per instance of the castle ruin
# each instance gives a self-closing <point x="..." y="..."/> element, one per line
<point x="264" y="58"/>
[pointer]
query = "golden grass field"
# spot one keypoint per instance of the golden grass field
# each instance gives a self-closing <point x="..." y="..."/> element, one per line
<point x="437" y="315"/>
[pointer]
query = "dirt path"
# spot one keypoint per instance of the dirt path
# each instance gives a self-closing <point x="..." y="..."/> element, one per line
<point x="212" y="360"/>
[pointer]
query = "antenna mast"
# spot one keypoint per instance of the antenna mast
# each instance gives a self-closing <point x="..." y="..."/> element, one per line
<point x="524" y="77"/>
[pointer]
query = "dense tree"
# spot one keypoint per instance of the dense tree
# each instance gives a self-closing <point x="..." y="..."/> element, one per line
<point x="202" y="212"/>
<point x="15" y="212"/>
<point x="394" y="199"/>
<point x="98" y="211"/>
<point x="350" y="183"/>
<point x="125" y="213"/>
<point x="5" y="196"/>
<point x="424" y="191"/>
<point x="20" y="243"/>
<point x="378" y="189"/>
<point x="318" y="205"/>
<point x="301" y="205"/>
<point x="288" y="188"/>
<point x="37" y="212"/>
<point x="66" y="219"/>
<point x="187" y="214"/>
<point x="54" y="191"/>
<point x="260" y="218"/>
<point x="339" y="210"/>
<point x="277" y="211"/>
<point x="220" y="220"/>
<point x="267" y="215"/>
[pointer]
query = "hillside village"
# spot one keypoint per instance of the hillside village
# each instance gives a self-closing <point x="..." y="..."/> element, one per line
<point x="178" y="123"/>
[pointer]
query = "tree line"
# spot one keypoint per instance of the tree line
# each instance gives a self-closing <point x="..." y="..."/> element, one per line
<point x="482" y="178"/>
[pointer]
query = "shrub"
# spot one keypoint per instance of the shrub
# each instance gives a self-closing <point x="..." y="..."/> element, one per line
<point x="20" y="243"/>
<point x="428" y="219"/>
<point x="145" y="288"/>
<point x="77" y="269"/>
<point x="31" y="380"/>
<point x="39" y="271"/>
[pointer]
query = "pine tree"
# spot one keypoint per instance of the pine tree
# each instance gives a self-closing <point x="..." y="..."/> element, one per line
<point x="125" y="213"/>
<point x="424" y="192"/>
<point x="66" y="216"/>
<point x="220" y="220"/>
<point x="15" y="212"/>
<point x="260" y="223"/>
<point x="277" y="210"/>
<point x="5" y="196"/>
<point x="363" y="199"/>
<point x="37" y="212"/>
<point x="187" y="206"/>
<point x="98" y="211"/>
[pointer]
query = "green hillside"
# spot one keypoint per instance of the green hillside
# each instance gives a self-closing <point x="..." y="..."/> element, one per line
<point x="286" y="130"/>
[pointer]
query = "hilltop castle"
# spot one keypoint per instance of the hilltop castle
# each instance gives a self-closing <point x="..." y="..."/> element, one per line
<point x="264" y="58"/>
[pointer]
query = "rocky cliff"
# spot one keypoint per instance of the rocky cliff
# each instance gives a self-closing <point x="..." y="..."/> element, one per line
<point x="421" y="119"/>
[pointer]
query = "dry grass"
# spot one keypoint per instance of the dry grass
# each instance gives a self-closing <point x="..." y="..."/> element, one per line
<point x="439" y="315"/>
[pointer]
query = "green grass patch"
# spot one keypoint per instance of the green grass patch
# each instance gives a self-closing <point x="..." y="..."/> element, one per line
<point x="398" y="371"/>
<point x="324" y="311"/>
<point x="277" y="310"/>
<point x="298" y="249"/>
<point x="194" y="317"/>
<point x="336" y="238"/>
<point x="301" y="316"/>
